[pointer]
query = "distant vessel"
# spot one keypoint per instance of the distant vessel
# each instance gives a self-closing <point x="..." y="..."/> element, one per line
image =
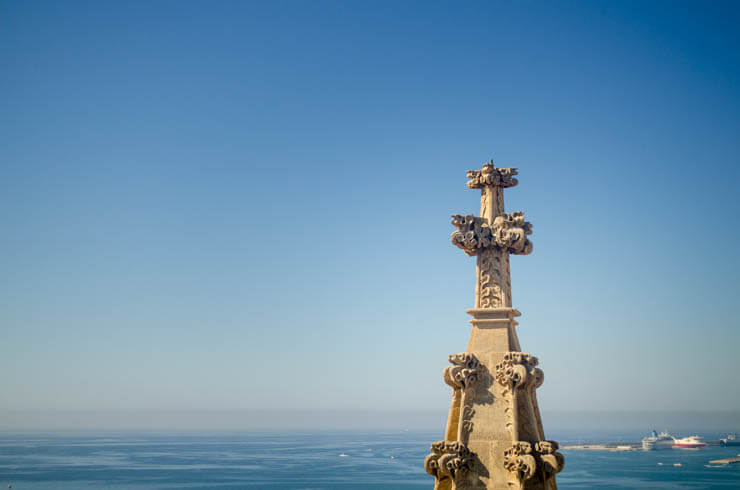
<point x="730" y="440"/>
<point x="691" y="442"/>
<point x="658" y="441"/>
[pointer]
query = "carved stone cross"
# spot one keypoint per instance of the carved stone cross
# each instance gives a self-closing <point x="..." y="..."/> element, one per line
<point x="492" y="236"/>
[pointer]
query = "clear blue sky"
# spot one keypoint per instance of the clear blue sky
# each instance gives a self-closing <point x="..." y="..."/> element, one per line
<point x="232" y="205"/>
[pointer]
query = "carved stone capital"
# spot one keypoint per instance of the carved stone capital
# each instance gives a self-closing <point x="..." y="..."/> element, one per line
<point x="490" y="175"/>
<point x="509" y="233"/>
<point x="448" y="458"/>
<point x="518" y="370"/>
<point x="463" y="372"/>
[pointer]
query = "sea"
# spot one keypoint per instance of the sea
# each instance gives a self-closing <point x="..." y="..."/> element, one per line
<point x="311" y="461"/>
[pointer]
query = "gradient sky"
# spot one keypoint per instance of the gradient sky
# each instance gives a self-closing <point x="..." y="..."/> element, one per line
<point x="232" y="205"/>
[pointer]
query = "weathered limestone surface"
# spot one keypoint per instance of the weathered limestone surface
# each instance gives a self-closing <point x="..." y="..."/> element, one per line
<point x="494" y="437"/>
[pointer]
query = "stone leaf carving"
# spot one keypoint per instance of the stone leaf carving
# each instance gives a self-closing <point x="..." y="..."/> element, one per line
<point x="448" y="458"/>
<point x="472" y="234"/>
<point x="467" y="418"/>
<point x="490" y="175"/>
<point x="509" y="233"/>
<point x="519" y="460"/>
<point x="463" y="372"/>
<point x="518" y="370"/>
<point x="494" y="287"/>
<point x="552" y="461"/>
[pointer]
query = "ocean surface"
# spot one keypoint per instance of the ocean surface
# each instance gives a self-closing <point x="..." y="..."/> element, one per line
<point x="310" y="461"/>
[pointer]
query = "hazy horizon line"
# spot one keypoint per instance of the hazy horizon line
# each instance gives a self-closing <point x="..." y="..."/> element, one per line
<point x="345" y="419"/>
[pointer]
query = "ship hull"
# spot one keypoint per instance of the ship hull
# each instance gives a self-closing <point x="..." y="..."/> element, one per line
<point x="656" y="445"/>
<point x="691" y="442"/>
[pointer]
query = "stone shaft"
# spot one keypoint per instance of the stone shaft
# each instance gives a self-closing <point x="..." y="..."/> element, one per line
<point x="493" y="279"/>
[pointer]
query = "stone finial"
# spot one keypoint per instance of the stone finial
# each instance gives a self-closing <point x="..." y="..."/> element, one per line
<point x="494" y="436"/>
<point x="490" y="175"/>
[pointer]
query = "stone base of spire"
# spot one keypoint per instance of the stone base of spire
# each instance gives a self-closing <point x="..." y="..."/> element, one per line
<point x="494" y="437"/>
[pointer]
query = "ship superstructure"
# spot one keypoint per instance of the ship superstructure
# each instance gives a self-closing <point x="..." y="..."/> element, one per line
<point x="658" y="441"/>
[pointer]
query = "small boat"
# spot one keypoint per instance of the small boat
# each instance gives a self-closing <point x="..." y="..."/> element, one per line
<point x="730" y="440"/>
<point x="691" y="442"/>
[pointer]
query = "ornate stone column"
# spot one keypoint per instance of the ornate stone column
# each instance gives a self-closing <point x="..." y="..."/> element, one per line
<point x="494" y="437"/>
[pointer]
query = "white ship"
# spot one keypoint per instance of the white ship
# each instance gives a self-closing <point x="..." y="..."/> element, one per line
<point x="691" y="442"/>
<point x="658" y="441"/>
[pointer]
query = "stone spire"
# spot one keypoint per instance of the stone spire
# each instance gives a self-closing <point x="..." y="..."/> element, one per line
<point x="494" y="437"/>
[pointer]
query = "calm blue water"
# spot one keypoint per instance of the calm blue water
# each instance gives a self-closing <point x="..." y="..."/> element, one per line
<point x="391" y="460"/>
